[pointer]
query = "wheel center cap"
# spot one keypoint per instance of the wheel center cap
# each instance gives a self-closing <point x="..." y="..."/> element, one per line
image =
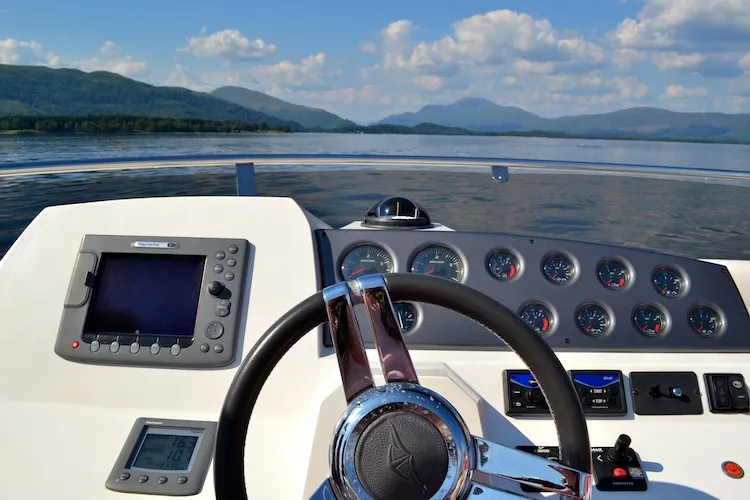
<point x="400" y="441"/>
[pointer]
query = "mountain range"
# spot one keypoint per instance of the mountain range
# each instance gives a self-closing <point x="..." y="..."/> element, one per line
<point x="41" y="91"/>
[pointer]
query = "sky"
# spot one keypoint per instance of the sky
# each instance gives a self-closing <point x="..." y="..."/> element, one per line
<point x="366" y="60"/>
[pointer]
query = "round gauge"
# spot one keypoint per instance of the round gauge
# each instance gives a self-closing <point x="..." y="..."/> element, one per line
<point x="406" y="316"/>
<point x="669" y="282"/>
<point x="613" y="274"/>
<point x="706" y="321"/>
<point x="650" y="320"/>
<point x="503" y="265"/>
<point x="559" y="269"/>
<point x="593" y="320"/>
<point x="538" y="317"/>
<point x="366" y="259"/>
<point x="437" y="260"/>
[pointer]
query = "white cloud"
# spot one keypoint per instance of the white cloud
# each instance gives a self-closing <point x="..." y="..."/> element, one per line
<point x="685" y="24"/>
<point x="113" y="60"/>
<point x="14" y="51"/>
<point x="681" y="92"/>
<point x="673" y="60"/>
<point x="228" y="45"/>
<point x="368" y="47"/>
<point x="494" y="38"/>
<point x="744" y="63"/>
<point x="310" y="73"/>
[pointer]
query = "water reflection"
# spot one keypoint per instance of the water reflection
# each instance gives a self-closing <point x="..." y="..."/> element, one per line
<point x="682" y="218"/>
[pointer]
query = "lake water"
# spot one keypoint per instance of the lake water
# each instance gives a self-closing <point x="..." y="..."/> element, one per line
<point x="683" y="218"/>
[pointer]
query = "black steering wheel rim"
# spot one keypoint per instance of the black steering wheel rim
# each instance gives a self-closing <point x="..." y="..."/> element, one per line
<point x="565" y="407"/>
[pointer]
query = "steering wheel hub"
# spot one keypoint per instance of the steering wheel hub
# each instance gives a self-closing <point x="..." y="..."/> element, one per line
<point x="400" y="440"/>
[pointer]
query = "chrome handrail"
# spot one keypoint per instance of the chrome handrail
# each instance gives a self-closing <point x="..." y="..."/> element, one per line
<point x="390" y="162"/>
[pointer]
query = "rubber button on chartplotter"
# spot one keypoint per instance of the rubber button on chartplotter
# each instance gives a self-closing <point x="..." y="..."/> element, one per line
<point x="181" y="480"/>
<point x="114" y="346"/>
<point x="619" y="472"/>
<point x="214" y="330"/>
<point x="143" y="478"/>
<point x="233" y="249"/>
<point x="124" y="476"/>
<point x="175" y="349"/>
<point x="94" y="345"/>
<point x="220" y="255"/>
<point x="155" y="348"/>
<point x="135" y="347"/>
<point x="161" y="480"/>
<point x="231" y="262"/>
<point x="205" y="347"/>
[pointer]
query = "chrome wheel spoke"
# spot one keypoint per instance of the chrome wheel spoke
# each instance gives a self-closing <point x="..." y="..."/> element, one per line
<point x="525" y="468"/>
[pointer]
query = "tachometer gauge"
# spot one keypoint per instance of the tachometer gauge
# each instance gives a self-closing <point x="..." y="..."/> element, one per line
<point x="438" y="260"/>
<point x="538" y="317"/>
<point x="705" y="321"/>
<point x="669" y="282"/>
<point x="366" y="259"/>
<point x="559" y="269"/>
<point x="650" y="320"/>
<point x="406" y="316"/>
<point x="613" y="274"/>
<point x="503" y="265"/>
<point x="593" y="320"/>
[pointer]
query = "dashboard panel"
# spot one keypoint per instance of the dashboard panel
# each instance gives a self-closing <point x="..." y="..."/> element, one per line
<point x="578" y="296"/>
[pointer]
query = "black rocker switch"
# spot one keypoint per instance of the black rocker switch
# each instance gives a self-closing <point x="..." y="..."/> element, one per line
<point x="618" y="468"/>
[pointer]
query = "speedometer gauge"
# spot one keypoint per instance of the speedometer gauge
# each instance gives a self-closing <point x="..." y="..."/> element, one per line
<point x="438" y="260"/>
<point x="366" y="259"/>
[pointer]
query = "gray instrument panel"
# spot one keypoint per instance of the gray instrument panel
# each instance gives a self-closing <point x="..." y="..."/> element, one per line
<point x="175" y="463"/>
<point x="706" y="284"/>
<point x="170" y="269"/>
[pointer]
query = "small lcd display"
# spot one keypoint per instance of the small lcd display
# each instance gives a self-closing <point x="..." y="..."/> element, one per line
<point x="167" y="449"/>
<point x="145" y="294"/>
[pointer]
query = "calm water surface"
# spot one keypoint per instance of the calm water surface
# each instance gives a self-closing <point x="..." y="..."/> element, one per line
<point x="691" y="219"/>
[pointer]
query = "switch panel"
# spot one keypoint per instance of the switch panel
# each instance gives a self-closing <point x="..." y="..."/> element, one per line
<point x="523" y="395"/>
<point x="727" y="393"/>
<point x="601" y="392"/>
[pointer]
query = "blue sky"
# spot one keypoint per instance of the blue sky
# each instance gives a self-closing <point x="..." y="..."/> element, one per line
<point x="367" y="60"/>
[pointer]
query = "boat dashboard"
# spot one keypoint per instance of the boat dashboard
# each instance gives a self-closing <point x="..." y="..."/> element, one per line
<point x="124" y="323"/>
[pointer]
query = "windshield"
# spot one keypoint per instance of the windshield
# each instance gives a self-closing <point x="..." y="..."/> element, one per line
<point x="660" y="83"/>
<point x="689" y="218"/>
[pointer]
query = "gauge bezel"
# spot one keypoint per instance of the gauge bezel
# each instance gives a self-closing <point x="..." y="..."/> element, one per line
<point x="418" y="312"/>
<point x="719" y="314"/>
<point x="452" y="248"/>
<point x="566" y="255"/>
<point x="515" y="254"/>
<point x="608" y="310"/>
<point x="553" y="312"/>
<point x="667" y="323"/>
<point x="681" y="272"/>
<point x="628" y="268"/>
<point x="364" y="243"/>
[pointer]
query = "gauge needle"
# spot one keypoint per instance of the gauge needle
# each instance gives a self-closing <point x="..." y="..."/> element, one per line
<point x="358" y="271"/>
<point x="430" y="271"/>
<point x="400" y="321"/>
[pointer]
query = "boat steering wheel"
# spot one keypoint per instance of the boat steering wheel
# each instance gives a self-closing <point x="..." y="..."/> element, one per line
<point x="402" y="440"/>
